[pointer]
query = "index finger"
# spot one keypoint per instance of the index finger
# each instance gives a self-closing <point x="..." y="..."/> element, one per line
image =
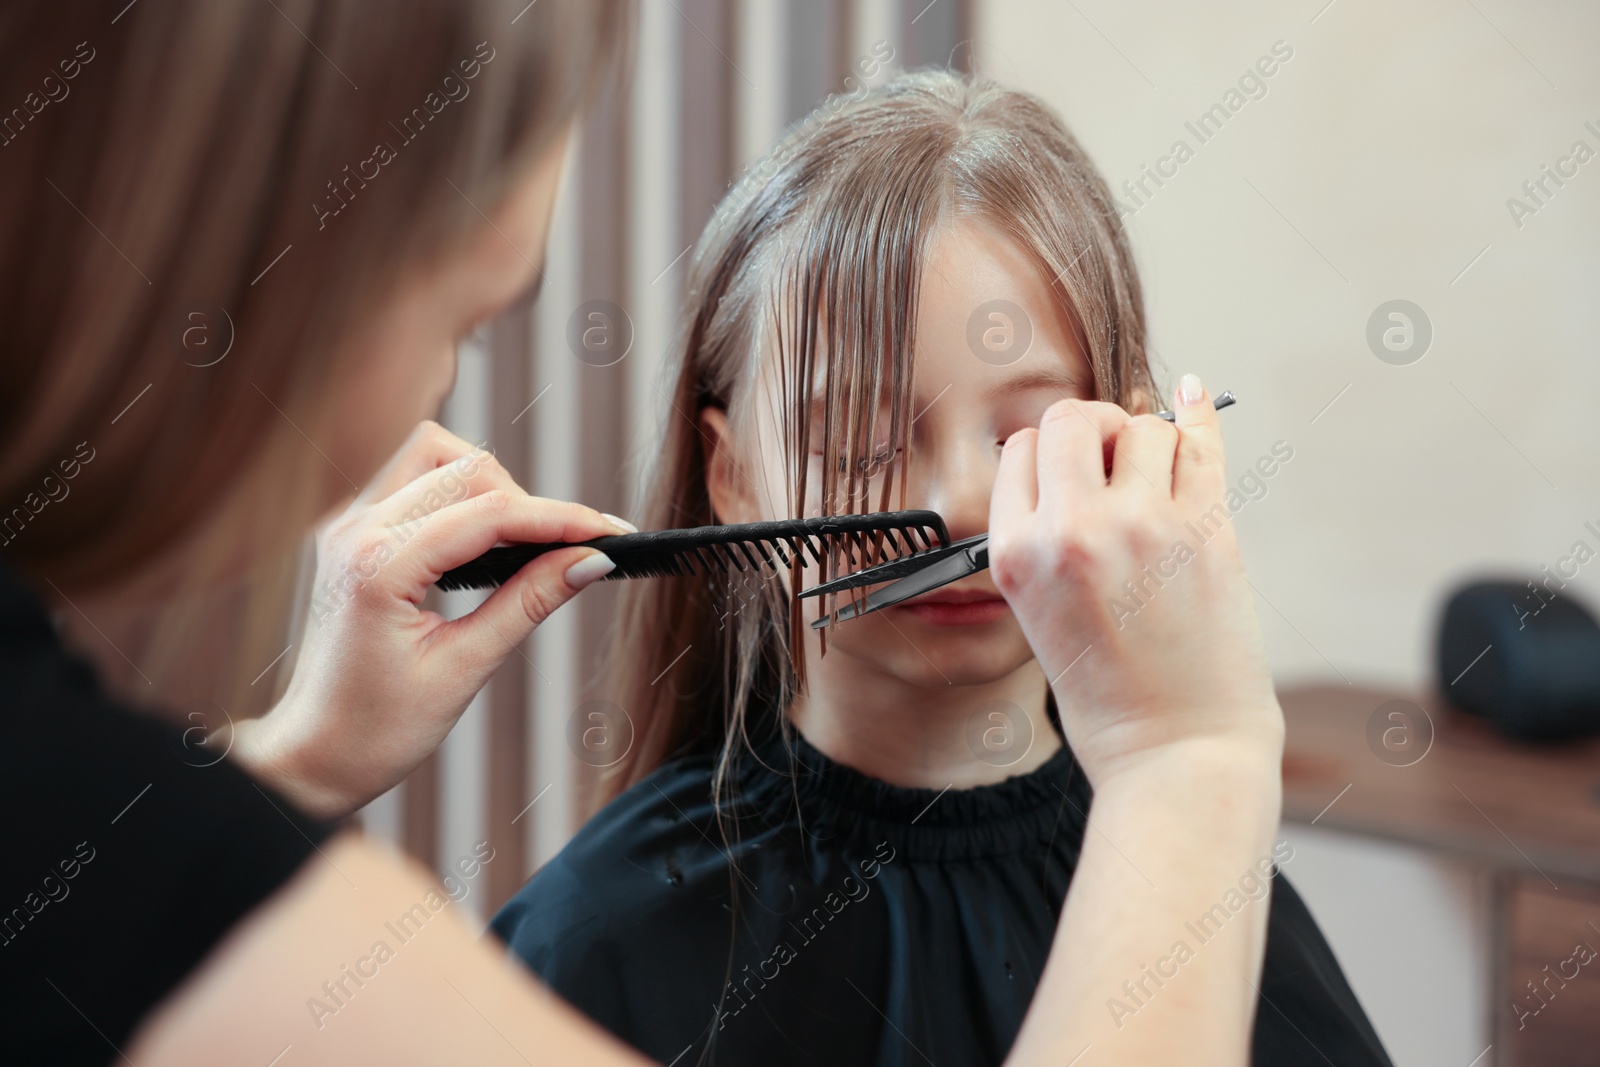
<point x="461" y="532"/>
<point x="1076" y="438"/>
<point x="1198" y="473"/>
<point x="1016" y="482"/>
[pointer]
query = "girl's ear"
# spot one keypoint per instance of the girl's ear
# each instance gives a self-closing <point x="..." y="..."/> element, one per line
<point x="1143" y="403"/>
<point x="725" y="484"/>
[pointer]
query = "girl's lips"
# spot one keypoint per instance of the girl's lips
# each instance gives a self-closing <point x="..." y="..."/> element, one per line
<point x="965" y="611"/>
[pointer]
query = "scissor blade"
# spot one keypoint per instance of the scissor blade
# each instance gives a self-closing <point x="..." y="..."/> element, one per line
<point x="891" y="569"/>
<point x="972" y="558"/>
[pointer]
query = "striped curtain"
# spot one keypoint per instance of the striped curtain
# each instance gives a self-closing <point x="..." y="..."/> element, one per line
<point x="713" y="85"/>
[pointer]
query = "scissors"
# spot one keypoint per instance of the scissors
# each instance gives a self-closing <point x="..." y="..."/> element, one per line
<point x="914" y="575"/>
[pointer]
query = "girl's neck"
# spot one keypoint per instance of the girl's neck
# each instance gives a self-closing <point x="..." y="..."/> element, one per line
<point x="934" y="738"/>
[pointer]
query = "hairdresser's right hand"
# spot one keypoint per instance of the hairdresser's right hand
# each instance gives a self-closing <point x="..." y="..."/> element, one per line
<point x="1131" y="591"/>
<point x="379" y="681"/>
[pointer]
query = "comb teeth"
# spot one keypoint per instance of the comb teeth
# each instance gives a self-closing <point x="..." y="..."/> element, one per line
<point x="766" y="557"/>
<point x="836" y="543"/>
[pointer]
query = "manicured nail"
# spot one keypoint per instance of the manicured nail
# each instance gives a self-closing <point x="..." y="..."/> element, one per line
<point x="615" y="521"/>
<point x="589" y="569"/>
<point x="1190" y="390"/>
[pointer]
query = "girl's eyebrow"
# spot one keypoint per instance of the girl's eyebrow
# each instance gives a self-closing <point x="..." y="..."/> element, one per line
<point x="1053" y="378"/>
<point x="1040" y="379"/>
<point x="819" y="401"/>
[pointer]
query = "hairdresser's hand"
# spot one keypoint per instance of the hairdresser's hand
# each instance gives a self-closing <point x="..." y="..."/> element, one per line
<point x="1130" y="588"/>
<point x="380" y="681"/>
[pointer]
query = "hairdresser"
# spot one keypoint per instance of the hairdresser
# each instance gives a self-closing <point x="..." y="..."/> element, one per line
<point x="243" y="161"/>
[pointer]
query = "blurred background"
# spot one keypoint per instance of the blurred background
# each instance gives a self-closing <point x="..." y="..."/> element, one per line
<point x="1382" y="159"/>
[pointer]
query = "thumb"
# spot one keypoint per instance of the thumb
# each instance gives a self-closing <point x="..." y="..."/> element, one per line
<point x="1198" y="474"/>
<point x="488" y="634"/>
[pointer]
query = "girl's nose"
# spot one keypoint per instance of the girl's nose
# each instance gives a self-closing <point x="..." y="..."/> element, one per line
<point x="959" y="484"/>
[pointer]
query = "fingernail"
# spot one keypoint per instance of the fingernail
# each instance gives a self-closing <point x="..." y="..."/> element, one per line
<point x="589" y="569"/>
<point x="615" y="521"/>
<point x="1190" y="390"/>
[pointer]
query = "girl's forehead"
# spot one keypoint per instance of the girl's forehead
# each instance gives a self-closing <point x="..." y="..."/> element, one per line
<point x="959" y="383"/>
<point x="990" y="335"/>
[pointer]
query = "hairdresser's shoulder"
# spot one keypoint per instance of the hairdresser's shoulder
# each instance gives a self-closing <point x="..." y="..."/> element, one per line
<point x="132" y="850"/>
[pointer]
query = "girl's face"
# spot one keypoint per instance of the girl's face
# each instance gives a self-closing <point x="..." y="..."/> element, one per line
<point x="993" y="350"/>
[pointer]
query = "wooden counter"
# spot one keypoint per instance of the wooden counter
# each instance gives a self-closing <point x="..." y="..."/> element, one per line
<point x="1407" y="768"/>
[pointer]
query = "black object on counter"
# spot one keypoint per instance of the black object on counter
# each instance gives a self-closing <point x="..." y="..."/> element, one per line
<point x="1522" y="656"/>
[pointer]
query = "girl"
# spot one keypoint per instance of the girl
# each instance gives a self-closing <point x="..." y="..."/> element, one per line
<point x="860" y="857"/>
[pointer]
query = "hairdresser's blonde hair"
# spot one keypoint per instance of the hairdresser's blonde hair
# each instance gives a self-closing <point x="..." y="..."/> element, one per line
<point x="831" y="228"/>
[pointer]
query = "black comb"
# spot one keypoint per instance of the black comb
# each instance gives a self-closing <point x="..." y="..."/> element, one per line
<point x="859" y="540"/>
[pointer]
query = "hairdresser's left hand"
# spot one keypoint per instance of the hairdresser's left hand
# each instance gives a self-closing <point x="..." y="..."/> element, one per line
<point x="379" y="681"/>
<point x="1131" y="591"/>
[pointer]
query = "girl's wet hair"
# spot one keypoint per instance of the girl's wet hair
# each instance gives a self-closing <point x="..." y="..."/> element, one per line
<point x="808" y="275"/>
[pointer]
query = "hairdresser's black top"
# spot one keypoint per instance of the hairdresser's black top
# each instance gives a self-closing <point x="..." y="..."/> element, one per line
<point x="876" y="924"/>
<point x="127" y="852"/>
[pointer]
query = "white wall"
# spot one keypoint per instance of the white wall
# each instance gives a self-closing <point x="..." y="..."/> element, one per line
<point x="1377" y="166"/>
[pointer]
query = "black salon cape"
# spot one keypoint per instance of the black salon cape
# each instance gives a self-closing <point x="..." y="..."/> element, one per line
<point x="130" y="850"/>
<point x="876" y="924"/>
